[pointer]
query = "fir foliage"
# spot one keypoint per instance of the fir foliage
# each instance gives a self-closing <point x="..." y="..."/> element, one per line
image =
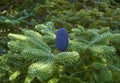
<point x="42" y="62"/>
<point x="93" y="54"/>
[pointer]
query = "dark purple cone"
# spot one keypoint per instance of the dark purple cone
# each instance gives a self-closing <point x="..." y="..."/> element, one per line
<point x="61" y="39"/>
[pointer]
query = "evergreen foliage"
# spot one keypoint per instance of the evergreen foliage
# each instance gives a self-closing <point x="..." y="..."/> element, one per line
<point x="28" y="41"/>
<point x="31" y="47"/>
<point x="15" y="15"/>
<point x="91" y="55"/>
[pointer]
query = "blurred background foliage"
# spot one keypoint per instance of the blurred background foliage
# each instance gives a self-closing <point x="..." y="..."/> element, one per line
<point x="18" y="14"/>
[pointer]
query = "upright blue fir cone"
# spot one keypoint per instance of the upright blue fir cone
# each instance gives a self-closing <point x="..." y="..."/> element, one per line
<point x="61" y="39"/>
